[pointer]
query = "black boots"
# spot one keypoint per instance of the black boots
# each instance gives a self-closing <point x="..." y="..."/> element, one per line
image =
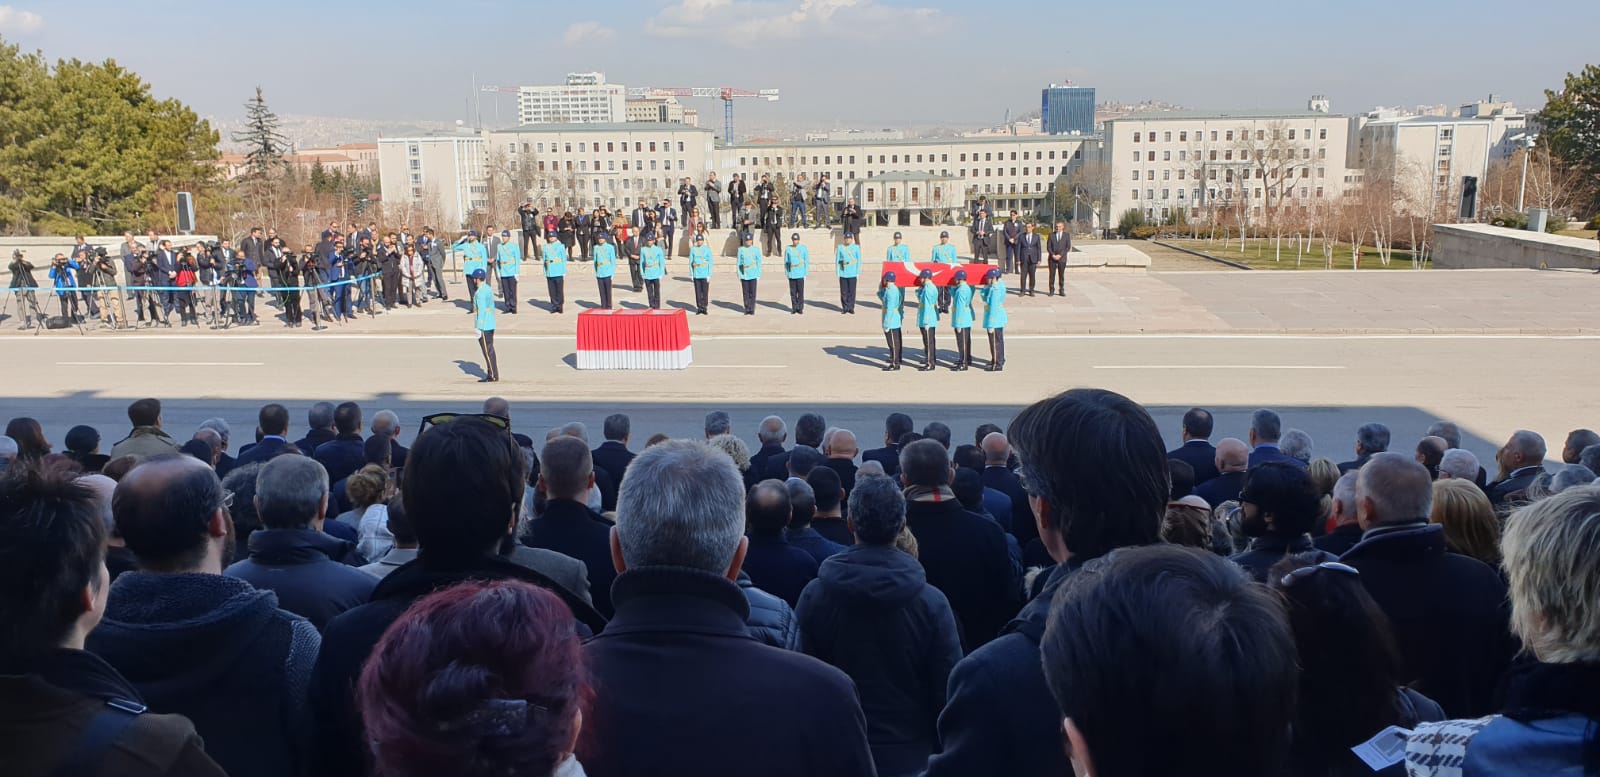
<point x="892" y="338"/>
<point x="963" y="350"/>
<point x="997" y="350"/>
<point x="929" y="349"/>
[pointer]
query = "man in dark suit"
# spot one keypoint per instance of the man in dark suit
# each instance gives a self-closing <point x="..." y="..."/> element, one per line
<point x="613" y="455"/>
<point x="772" y="434"/>
<point x="775" y="566"/>
<point x="274" y="422"/>
<point x="678" y="606"/>
<point x="1370" y="439"/>
<point x="897" y="425"/>
<point x="567" y="525"/>
<point x="1521" y="460"/>
<point x="1265" y="430"/>
<point x="320" y="421"/>
<point x="1028" y="251"/>
<point x="840" y="450"/>
<point x="164" y="272"/>
<point x="998" y="476"/>
<point x="737" y="191"/>
<point x="1012" y="231"/>
<point x="851" y="218"/>
<point x="254" y="248"/>
<point x="1057" y="248"/>
<point x="346" y="452"/>
<point x="630" y="250"/>
<point x="1231" y="463"/>
<point x="982" y="237"/>
<point x="1196" y="450"/>
<point x="714" y="200"/>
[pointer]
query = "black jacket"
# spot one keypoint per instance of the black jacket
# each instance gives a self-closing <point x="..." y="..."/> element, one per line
<point x="777" y="567"/>
<point x="771" y="619"/>
<point x="871" y="613"/>
<point x="759" y="462"/>
<point x="1201" y="455"/>
<point x="1341" y="539"/>
<point x="574" y="530"/>
<point x="681" y="688"/>
<point x="342" y="456"/>
<point x="219" y="652"/>
<point x="307" y="570"/>
<point x="847" y="473"/>
<point x="1450" y="615"/>
<point x="1020" y="522"/>
<point x="1266" y="551"/>
<point x="999" y="718"/>
<point x="834" y="530"/>
<point x="888" y="456"/>
<point x="811" y="541"/>
<point x="1220" y="488"/>
<point x="263" y="451"/>
<point x="314" y="440"/>
<point x="339" y="742"/>
<point x="1518" y="481"/>
<point x="966" y="558"/>
<point x="1348" y="466"/>
<point x="614" y="458"/>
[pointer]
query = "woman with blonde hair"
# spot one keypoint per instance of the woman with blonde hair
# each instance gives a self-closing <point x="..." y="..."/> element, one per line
<point x="1324" y="474"/>
<point x="735" y="448"/>
<point x="1470" y="526"/>
<point x="369" y="491"/>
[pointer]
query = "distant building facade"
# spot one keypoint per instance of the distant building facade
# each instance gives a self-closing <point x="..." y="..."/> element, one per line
<point x="447" y="172"/>
<point x="1067" y="110"/>
<point x="585" y="98"/>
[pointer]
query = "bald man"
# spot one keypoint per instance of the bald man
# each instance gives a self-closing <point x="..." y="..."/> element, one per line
<point x="1233" y="459"/>
<point x="1430" y="451"/>
<point x="841" y="452"/>
<point x="998" y="476"/>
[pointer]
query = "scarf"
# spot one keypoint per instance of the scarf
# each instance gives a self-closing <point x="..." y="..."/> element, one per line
<point x="930" y="494"/>
<point x="1537" y="691"/>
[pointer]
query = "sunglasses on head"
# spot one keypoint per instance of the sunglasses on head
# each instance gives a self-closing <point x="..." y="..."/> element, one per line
<point x="1305" y="572"/>
<point x="438" y="419"/>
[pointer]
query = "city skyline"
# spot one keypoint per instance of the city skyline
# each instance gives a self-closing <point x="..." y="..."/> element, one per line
<point x="827" y="56"/>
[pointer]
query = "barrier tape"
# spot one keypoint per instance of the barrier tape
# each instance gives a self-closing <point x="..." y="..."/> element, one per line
<point x="198" y="286"/>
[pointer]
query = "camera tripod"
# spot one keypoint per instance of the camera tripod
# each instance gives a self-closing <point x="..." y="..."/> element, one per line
<point x="27" y="308"/>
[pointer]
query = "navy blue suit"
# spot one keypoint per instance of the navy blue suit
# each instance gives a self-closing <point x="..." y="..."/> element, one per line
<point x="572" y="529"/>
<point x="1201" y="455"/>
<point x="341" y="457"/>
<point x="888" y="456"/>
<point x="1268" y="452"/>
<point x="779" y="568"/>
<point x="264" y="450"/>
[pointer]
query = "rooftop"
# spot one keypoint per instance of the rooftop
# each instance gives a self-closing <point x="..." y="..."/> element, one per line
<point x="613" y="126"/>
<point x="1220" y="115"/>
<point x="953" y="141"/>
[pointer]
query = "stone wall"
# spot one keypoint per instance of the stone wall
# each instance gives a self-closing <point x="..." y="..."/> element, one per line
<point x="1481" y="246"/>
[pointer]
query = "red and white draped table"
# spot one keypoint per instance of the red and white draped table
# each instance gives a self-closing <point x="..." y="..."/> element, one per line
<point x="905" y="273"/>
<point x="633" y="339"/>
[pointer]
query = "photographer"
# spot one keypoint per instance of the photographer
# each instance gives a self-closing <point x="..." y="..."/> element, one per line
<point x="242" y="273"/>
<point x="365" y="266"/>
<point x="288" y="277"/>
<point x="187" y="275"/>
<point x="103" y="275"/>
<point x="389" y="265"/>
<point x="163" y="273"/>
<point x="314" y="273"/>
<point x="141" y="269"/>
<point x="83" y="254"/>
<point x="208" y="280"/>
<point x="22" y="279"/>
<point x="64" y="274"/>
<point x="275" y="258"/>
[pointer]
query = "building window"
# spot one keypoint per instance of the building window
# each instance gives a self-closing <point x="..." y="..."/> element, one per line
<point x="1166" y="137"/>
<point x="1183" y="137"/>
<point x="1136" y="175"/>
<point x="1227" y="155"/>
<point x="1013" y="172"/>
<point x="963" y="158"/>
<point x="1322" y="134"/>
<point x="1136" y="137"/>
<point x="1052" y="169"/>
<point x="1166" y="194"/>
<point x="1136" y="156"/>
<point x="988" y="157"/>
<point x="1291" y="134"/>
<point x="872" y="195"/>
<point x="637" y="147"/>
<point x="1013" y="156"/>
<point x="895" y="159"/>
<point x="1151" y="157"/>
<point x="942" y="158"/>
<point x="1136" y="194"/>
<point x="1214" y="136"/>
<point x="680" y="147"/>
<point x="1166" y="156"/>
<point x="1181" y="172"/>
<point x="962" y="172"/>
<point x="1166" y="175"/>
<point x="919" y="159"/>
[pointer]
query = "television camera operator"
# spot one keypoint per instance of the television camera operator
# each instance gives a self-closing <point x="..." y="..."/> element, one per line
<point x="102" y="273"/>
<point x="142" y="272"/>
<point x="64" y="275"/>
<point x="27" y="301"/>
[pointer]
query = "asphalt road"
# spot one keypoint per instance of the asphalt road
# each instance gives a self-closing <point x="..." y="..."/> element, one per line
<point x="1325" y="385"/>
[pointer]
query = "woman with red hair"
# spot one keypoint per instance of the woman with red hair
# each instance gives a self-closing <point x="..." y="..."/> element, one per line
<point x="479" y="679"/>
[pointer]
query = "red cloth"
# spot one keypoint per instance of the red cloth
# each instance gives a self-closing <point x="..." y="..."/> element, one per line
<point x="905" y="275"/>
<point x="633" y="330"/>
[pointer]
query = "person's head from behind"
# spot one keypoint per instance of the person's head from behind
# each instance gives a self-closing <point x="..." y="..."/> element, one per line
<point x="1430" y="452"/>
<point x="1187" y="522"/>
<point x="347" y="418"/>
<point x="145" y="412"/>
<point x="82" y="440"/>
<point x="718" y="422"/>
<point x="241" y="482"/>
<point x="772" y="431"/>
<point x="877" y="511"/>
<point x="1470" y="525"/>
<point x="967" y="457"/>
<point x="1095" y="470"/>
<point x="482" y="678"/>
<point x="1393" y="489"/>
<point x="1350" y="666"/>
<point x="803" y="460"/>
<point x="1181" y="474"/>
<point x="376" y="450"/>
<point x="29" y="437"/>
<point x="1459" y="463"/>
<point x="982" y="431"/>
<point x="1523" y="449"/>
<point x="1446" y="430"/>
<point x="1342" y="508"/>
<point x="682" y="505"/>
<point x="766" y="507"/>
<point x="1372" y="438"/>
<point x="897" y="425"/>
<point x="566" y="469"/>
<point x="1296" y="444"/>
<point x="292" y="493"/>
<point x="1577" y="440"/>
<point x="1549" y="548"/>
<point x="925" y="464"/>
<point x="1265" y="427"/>
<point x="367" y="486"/>
<point x="617" y="428"/>
<point x="1278" y="500"/>
<point x="320" y="416"/>
<point x="802" y="503"/>
<point x="968" y="487"/>
<point x="808" y="429"/>
<point x="1233" y="455"/>
<point x="273" y="419"/>
<point x="463" y="483"/>
<point x="53" y="578"/>
<point x="170" y="511"/>
<point x="828" y="489"/>
<point x="937" y="431"/>
<point x="1176" y="646"/>
<point x="1197" y="424"/>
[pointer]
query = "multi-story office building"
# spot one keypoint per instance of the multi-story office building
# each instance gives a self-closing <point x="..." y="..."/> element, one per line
<point x="1428" y="156"/>
<point x="1067" y="110"/>
<point x="585" y="98"/>
<point x="617" y="165"/>
<point x="443" y="174"/>
<point x="663" y="110"/>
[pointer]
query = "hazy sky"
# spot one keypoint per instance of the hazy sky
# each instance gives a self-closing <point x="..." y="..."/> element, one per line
<point x="861" y="63"/>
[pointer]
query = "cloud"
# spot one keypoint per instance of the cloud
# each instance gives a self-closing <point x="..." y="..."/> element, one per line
<point x="580" y="33"/>
<point x="16" y="21"/>
<point x="751" y="22"/>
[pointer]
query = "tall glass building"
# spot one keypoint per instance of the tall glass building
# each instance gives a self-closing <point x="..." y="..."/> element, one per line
<point x="1067" y="110"/>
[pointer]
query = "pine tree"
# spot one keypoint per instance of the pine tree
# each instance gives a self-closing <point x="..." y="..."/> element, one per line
<point x="261" y="135"/>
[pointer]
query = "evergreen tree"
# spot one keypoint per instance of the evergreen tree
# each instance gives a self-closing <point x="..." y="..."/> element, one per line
<point x="1571" y="119"/>
<point x="319" y="177"/>
<point x="261" y="135"/>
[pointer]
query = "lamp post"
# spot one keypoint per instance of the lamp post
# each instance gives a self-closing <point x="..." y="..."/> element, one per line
<point x="1527" y="151"/>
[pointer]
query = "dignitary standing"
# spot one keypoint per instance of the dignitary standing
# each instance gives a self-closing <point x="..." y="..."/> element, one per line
<point x="528" y="218"/>
<point x="605" y="266"/>
<point x="1028" y="252"/>
<point x="749" y="272"/>
<point x="652" y="266"/>
<point x="700" y="273"/>
<point x="1013" y="234"/>
<point x="714" y="200"/>
<point x="982" y="237"/>
<point x="824" y="202"/>
<point x="928" y="318"/>
<point x="961" y="319"/>
<point x="508" y="261"/>
<point x="847" y="262"/>
<point x="893" y="301"/>
<point x="555" y="272"/>
<point x="994" y="318"/>
<point x="1059" y="246"/>
<point x="483" y="321"/>
<point x="630" y="249"/>
<point x="796" y="263"/>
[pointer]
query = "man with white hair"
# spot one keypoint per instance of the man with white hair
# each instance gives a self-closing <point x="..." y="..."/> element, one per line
<point x="1521" y="462"/>
<point x="1458" y="463"/>
<point x="386" y="423"/>
<point x="225" y="462"/>
<point x="771" y="434"/>
<point x="678" y="545"/>
<point x="1297" y="445"/>
<point x="1448" y="610"/>
<point x="1347" y="529"/>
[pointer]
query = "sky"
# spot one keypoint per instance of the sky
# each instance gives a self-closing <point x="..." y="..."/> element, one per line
<point x="839" y="63"/>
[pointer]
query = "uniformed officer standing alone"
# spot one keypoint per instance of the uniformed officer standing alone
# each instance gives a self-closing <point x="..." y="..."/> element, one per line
<point x="893" y="300"/>
<point x="652" y="265"/>
<point x="555" y="272"/>
<point x="509" y="263"/>
<point x="847" y="260"/>
<point x="796" y="263"/>
<point x="700" y="273"/>
<point x="749" y="272"/>
<point x="483" y="321"/>
<point x="605" y="266"/>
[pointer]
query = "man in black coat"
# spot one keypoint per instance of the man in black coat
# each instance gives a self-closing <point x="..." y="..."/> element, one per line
<point x="1347" y="525"/>
<point x="567" y="525"/>
<point x="613" y="455"/>
<point x="462" y="488"/>
<point x="1029" y="249"/>
<point x="1231" y="463"/>
<point x="726" y="701"/>
<point x="1197" y="450"/>
<point x="320" y="420"/>
<point x="1266" y="428"/>
<point x="964" y="554"/>
<point x="630" y="253"/>
<point x="1449" y="611"/>
<point x="871" y="613"/>
<point x="897" y="425"/>
<point x="841" y="452"/>
<point x="1278" y="508"/>
<point x="1098" y="477"/>
<point x="828" y="516"/>
<point x="982" y="237"/>
<point x="776" y="566"/>
<point x="771" y="434"/>
<point x="274" y="423"/>
<point x="998" y="476"/>
<point x="528" y="221"/>
<point x="1056" y="250"/>
<point x="1370" y="439"/>
<point x="1012" y="231"/>
<point x="194" y="642"/>
<point x="346" y="452"/>
<point x="1522" y="459"/>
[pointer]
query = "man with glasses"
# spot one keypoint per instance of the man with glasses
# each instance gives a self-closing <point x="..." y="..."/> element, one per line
<point x="1278" y="508"/>
<point x="180" y="631"/>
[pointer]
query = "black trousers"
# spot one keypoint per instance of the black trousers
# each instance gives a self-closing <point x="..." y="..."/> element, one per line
<point x="983" y="249"/>
<point x="702" y="294"/>
<point x="247" y="303"/>
<point x="491" y="365"/>
<point x="1058" y="275"/>
<point x="558" y="293"/>
<point x="944" y="299"/>
<point x="1013" y="253"/>
<point x="964" y="347"/>
<point x="529" y="239"/>
<point x="633" y="271"/>
<point x="997" y="348"/>
<point x="652" y="293"/>
<point x="1030" y="277"/>
<point x="291" y="306"/>
<point x="508" y="289"/>
<point x="749" y="288"/>
<point x="472" y="288"/>
<point x="716" y="213"/>
<point x="797" y="295"/>
<point x="930" y="347"/>
<point x="893" y="338"/>
<point x="604" y="285"/>
<point x="584" y="241"/>
<point x="847" y="295"/>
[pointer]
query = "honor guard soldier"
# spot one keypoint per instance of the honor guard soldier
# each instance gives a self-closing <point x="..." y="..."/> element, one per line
<point x="944" y="253"/>
<point x="474" y="257"/>
<point x="509" y="263"/>
<point x="652" y="265"/>
<point x="796" y="263"/>
<point x="749" y="272"/>
<point x="483" y="321"/>
<point x="961" y="319"/>
<point x="928" y="318"/>
<point x="555" y="271"/>
<point x="847" y="260"/>
<point x="893" y="300"/>
<point x="700" y="273"/>
<point x="605" y="266"/>
<point x="994" y="318"/>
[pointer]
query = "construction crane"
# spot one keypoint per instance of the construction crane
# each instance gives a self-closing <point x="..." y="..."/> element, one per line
<point x="724" y="93"/>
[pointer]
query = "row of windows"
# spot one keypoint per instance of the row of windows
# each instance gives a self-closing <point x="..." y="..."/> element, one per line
<point x="582" y="165"/>
<point x="583" y="147"/>
<point x="1227" y="194"/>
<point x="1227" y="154"/>
<point x="1261" y="134"/>
<point x="767" y="161"/>
<point x="1166" y="175"/>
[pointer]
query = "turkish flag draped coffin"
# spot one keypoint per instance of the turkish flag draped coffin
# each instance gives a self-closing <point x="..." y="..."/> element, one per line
<point x="905" y="273"/>
<point x="633" y="340"/>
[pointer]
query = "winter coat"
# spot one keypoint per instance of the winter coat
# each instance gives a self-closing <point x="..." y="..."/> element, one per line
<point x="779" y="568"/>
<point x="146" y="441"/>
<point x="771" y="619"/>
<point x="966" y="558"/>
<point x="1545" y="728"/>
<point x="572" y="529"/>
<point x="307" y="570"/>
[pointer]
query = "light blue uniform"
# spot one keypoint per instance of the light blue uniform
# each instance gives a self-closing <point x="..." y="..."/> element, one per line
<point x="848" y="260"/>
<point x="961" y="305"/>
<point x="797" y="261"/>
<point x="994" y="300"/>
<point x="509" y="260"/>
<point x="927" y="305"/>
<point x="700" y="262"/>
<point x="483" y="307"/>
<point x="605" y="260"/>
<point x="474" y="256"/>
<point x="749" y="263"/>
<point x="899" y="253"/>
<point x="893" y="299"/>
<point x="555" y="260"/>
<point x="944" y="253"/>
<point x="652" y="263"/>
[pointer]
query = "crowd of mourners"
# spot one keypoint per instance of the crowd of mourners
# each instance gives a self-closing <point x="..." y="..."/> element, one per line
<point x="1062" y="596"/>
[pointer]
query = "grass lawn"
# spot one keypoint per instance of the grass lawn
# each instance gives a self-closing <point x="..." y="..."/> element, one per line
<point x="1587" y="234"/>
<point x="1260" y="255"/>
